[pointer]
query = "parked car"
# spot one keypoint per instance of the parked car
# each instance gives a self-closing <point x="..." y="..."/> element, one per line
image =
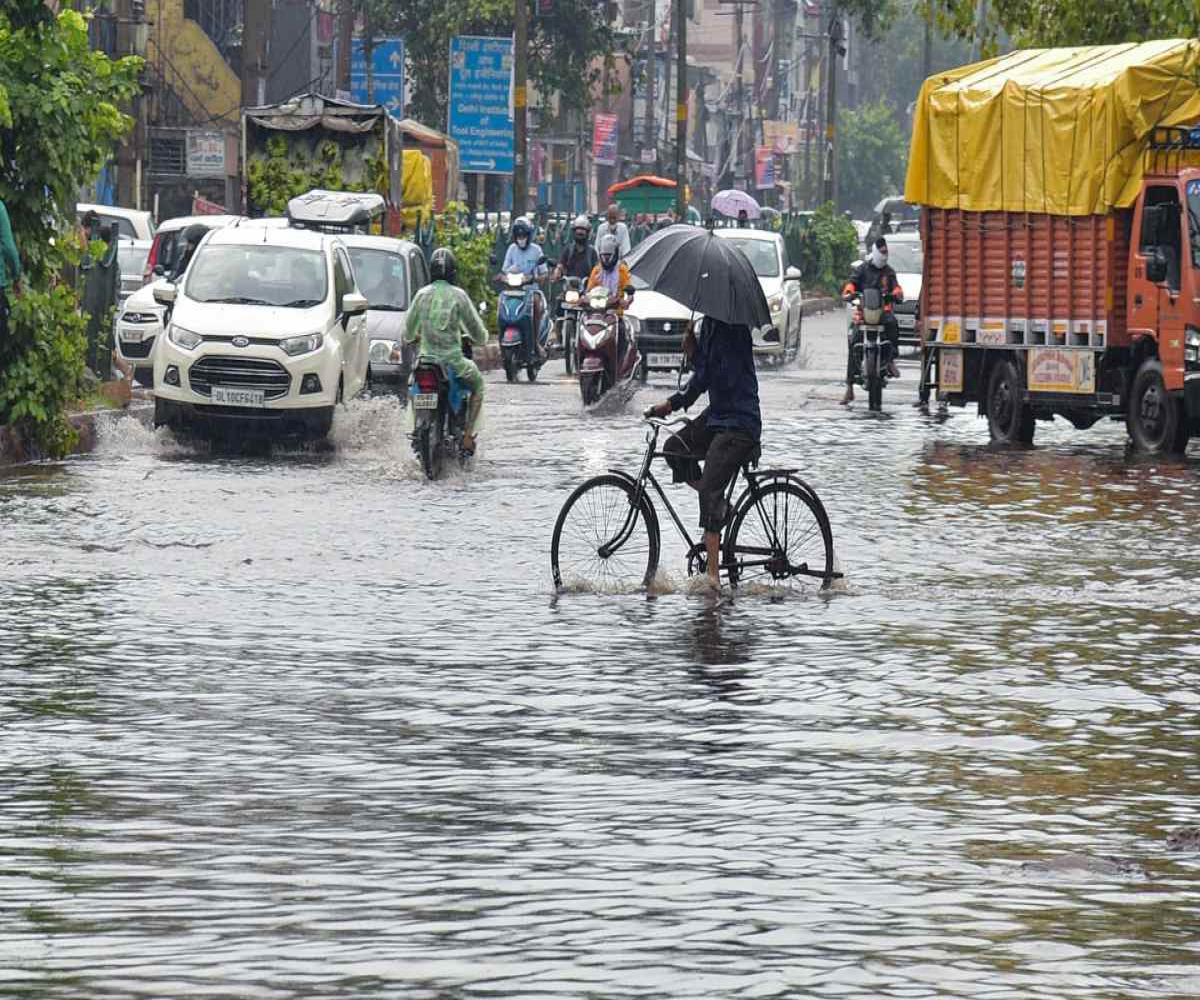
<point x="168" y="240"/>
<point x="780" y="284"/>
<point x="907" y="260"/>
<point x="267" y="328"/>
<point x="131" y="223"/>
<point x="389" y="273"/>
<point x="139" y="320"/>
<point x="131" y="258"/>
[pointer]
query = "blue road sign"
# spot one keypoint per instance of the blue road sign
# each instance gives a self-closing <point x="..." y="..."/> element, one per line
<point x="481" y="103"/>
<point x="387" y="62"/>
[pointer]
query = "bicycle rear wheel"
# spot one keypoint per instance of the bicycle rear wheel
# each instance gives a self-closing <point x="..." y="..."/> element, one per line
<point x="603" y="540"/>
<point x="780" y="533"/>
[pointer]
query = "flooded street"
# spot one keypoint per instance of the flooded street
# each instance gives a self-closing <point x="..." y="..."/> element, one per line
<point x="304" y="725"/>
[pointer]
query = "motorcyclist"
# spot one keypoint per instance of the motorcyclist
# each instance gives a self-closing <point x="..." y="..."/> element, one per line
<point x="578" y="257"/>
<point x="875" y="272"/>
<point x="613" y="273"/>
<point x="191" y="240"/>
<point x="525" y="256"/>
<point x="440" y="316"/>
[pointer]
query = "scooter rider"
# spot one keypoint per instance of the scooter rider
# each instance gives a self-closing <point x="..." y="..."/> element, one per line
<point x="440" y="316"/>
<point x="578" y="258"/>
<point x="525" y="256"/>
<point x="613" y="274"/>
<point x="875" y="272"/>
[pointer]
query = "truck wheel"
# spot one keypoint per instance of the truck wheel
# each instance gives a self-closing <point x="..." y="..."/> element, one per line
<point x="1010" y="421"/>
<point x="1156" y="421"/>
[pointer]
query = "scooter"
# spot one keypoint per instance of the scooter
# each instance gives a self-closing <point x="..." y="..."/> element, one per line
<point x="871" y="349"/>
<point x="440" y="404"/>
<point x="603" y="363"/>
<point x="569" y="321"/>
<point x="518" y="347"/>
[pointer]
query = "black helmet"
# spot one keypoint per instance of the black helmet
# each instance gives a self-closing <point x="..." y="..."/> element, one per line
<point x="442" y="265"/>
<point x="195" y="233"/>
<point x="522" y="228"/>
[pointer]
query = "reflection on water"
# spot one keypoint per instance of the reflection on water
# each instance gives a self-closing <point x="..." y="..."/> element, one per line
<point x="302" y="724"/>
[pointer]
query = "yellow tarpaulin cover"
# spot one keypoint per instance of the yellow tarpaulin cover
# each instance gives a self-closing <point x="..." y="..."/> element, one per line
<point x="417" y="189"/>
<point x="1049" y="130"/>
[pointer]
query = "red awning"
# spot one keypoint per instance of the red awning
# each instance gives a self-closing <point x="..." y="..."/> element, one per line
<point x="647" y="180"/>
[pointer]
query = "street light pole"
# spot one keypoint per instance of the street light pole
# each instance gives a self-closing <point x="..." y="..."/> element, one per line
<point x="681" y="109"/>
<point x="520" y="121"/>
<point x="835" y="49"/>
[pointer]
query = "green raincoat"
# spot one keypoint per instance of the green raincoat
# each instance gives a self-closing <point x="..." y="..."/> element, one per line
<point x="441" y="314"/>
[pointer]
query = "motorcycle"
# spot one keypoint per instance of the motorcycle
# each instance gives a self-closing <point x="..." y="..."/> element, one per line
<point x="568" y="323"/>
<point x="440" y="404"/>
<point x="869" y="346"/>
<point x="602" y="362"/>
<point x="518" y="347"/>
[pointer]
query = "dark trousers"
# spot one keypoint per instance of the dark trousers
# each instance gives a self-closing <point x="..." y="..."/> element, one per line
<point x="891" y="332"/>
<point x="723" y="451"/>
<point x="5" y="309"/>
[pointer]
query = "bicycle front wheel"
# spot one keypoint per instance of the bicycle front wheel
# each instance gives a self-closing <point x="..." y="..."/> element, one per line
<point x="778" y="532"/>
<point x="603" y="539"/>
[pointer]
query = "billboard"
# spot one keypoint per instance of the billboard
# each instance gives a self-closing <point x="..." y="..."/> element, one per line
<point x="481" y="117"/>
<point x="387" y="74"/>
<point x="604" y="139"/>
<point x="764" y="168"/>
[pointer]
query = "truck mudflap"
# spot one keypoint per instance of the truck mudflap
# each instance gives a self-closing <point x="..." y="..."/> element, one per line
<point x="1191" y="395"/>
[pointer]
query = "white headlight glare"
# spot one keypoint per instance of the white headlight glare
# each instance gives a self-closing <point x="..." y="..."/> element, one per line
<point x="381" y="350"/>
<point x="295" y="346"/>
<point x="775" y="303"/>
<point x="1192" y="337"/>
<point x="184" y="338"/>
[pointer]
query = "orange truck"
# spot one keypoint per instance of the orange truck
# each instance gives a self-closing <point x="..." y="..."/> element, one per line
<point x="1060" y="221"/>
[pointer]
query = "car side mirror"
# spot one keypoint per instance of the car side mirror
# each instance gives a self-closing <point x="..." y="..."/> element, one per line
<point x="629" y="290"/>
<point x="1156" y="265"/>
<point x="354" y="304"/>
<point x="792" y="274"/>
<point x="164" y="295"/>
<point x="160" y="270"/>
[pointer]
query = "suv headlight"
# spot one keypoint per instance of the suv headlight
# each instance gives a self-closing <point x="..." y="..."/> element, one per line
<point x="295" y="346"/>
<point x="184" y="338"/>
<point x="1191" y="346"/>
<point x="775" y="302"/>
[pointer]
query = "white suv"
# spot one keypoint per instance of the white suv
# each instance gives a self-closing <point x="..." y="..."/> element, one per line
<point x="267" y="328"/>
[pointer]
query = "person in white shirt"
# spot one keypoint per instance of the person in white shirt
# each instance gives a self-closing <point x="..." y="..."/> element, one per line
<point x="613" y="226"/>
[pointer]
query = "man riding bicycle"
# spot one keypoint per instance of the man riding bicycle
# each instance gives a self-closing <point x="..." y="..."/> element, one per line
<point x="726" y="433"/>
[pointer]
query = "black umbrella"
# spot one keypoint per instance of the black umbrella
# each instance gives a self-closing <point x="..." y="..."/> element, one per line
<point x="707" y="274"/>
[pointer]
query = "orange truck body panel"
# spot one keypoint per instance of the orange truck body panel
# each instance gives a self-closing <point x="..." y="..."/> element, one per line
<point x="1025" y="278"/>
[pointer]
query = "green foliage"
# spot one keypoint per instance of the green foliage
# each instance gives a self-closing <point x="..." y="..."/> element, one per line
<point x="827" y="248"/>
<point x="41" y="366"/>
<point x="60" y="115"/>
<point x="287" y="171"/>
<point x="1048" y="23"/>
<point x="565" y="47"/>
<point x="472" y="251"/>
<point x="872" y="153"/>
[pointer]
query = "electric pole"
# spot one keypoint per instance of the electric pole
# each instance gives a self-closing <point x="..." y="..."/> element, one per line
<point x="345" y="36"/>
<point x="739" y="160"/>
<point x="927" y="49"/>
<point x="520" y="121"/>
<point x="835" y="49"/>
<point x="649" y="130"/>
<point x="256" y="30"/>
<point x="681" y="110"/>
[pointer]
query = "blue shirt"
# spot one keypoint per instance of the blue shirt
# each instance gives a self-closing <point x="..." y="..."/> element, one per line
<point x="525" y="261"/>
<point x="724" y="368"/>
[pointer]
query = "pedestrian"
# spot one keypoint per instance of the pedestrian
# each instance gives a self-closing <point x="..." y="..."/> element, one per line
<point x="10" y="270"/>
<point x="743" y="219"/>
<point x="101" y="285"/>
<point x="613" y="226"/>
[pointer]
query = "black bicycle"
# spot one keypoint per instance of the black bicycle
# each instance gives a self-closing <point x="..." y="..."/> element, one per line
<point x="607" y="535"/>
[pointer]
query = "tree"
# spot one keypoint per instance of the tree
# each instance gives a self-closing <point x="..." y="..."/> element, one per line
<point x="872" y="153"/>
<point x="1049" y="23"/>
<point x="60" y="118"/>
<point x="563" y="47"/>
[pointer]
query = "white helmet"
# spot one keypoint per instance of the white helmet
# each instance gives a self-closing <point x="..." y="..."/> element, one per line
<point x="609" y="250"/>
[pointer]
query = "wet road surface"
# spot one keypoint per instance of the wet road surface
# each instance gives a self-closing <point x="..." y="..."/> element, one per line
<point x="302" y="725"/>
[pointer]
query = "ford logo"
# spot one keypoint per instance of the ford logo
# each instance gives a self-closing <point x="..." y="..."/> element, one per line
<point x="241" y="341"/>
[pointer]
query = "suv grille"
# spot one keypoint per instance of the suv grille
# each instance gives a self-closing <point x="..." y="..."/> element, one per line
<point x="240" y="373"/>
<point x="658" y="327"/>
<point x="135" y="350"/>
<point x="907" y="306"/>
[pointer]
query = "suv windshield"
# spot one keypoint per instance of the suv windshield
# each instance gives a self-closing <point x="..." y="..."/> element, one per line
<point x="258" y="275"/>
<point x="381" y="277"/>
<point x="764" y="257"/>
<point x="905" y="256"/>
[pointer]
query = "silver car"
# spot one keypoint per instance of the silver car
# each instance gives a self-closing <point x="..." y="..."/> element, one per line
<point x="389" y="272"/>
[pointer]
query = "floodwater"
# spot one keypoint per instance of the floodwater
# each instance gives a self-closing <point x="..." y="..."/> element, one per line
<point x="303" y="725"/>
